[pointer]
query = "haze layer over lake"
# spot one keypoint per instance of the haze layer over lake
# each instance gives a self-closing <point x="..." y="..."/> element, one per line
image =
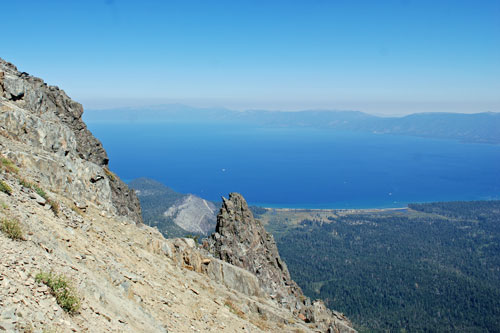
<point x="301" y="167"/>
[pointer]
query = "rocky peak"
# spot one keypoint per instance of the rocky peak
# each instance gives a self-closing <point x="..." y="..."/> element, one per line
<point x="241" y="240"/>
<point x="33" y="94"/>
<point x="45" y="119"/>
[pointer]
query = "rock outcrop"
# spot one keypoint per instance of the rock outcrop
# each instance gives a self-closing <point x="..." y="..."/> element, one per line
<point x="44" y="118"/>
<point x="241" y="240"/>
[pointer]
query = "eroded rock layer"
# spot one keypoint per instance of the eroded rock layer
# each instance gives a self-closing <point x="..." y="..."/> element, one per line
<point x="47" y="120"/>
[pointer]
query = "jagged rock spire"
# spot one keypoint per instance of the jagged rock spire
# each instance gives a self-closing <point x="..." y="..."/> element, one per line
<point x="241" y="240"/>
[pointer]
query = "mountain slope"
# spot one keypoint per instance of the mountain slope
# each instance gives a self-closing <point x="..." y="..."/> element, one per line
<point x="478" y="127"/>
<point x="75" y="256"/>
<point x="173" y="213"/>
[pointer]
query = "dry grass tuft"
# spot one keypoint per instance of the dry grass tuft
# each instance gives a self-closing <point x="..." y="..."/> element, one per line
<point x="234" y="309"/>
<point x="8" y="165"/>
<point x="110" y="174"/>
<point x="12" y="228"/>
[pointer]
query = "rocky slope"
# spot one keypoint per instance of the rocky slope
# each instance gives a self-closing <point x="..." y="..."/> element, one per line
<point x="128" y="277"/>
<point x="46" y="120"/>
<point x="242" y="241"/>
<point x="80" y="221"/>
<point x="193" y="214"/>
<point x="174" y="214"/>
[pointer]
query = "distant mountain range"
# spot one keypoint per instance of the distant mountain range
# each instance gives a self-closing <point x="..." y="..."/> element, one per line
<point x="173" y="213"/>
<point x="477" y="128"/>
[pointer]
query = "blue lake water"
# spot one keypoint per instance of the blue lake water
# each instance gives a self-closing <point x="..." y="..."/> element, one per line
<point x="302" y="167"/>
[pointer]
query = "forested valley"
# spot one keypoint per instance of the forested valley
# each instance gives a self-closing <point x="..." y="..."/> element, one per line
<point x="431" y="267"/>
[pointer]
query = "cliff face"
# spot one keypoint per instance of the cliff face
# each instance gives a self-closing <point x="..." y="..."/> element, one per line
<point x="44" y="118"/>
<point x="242" y="241"/>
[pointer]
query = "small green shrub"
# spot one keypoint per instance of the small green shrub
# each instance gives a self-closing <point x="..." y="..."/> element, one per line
<point x="8" y="165"/>
<point x="40" y="191"/>
<point x="5" y="188"/>
<point x="33" y="186"/>
<point x="12" y="228"/>
<point x="25" y="183"/>
<point x="62" y="290"/>
<point x="54" y="205"/>
<point x="196" y="238"/>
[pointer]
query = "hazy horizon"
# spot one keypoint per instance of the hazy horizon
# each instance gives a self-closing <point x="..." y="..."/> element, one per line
<point x="127" y="104"/>
<point x="384" y="57"/>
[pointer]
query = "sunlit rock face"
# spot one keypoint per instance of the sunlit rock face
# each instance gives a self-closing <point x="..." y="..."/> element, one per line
<point x="49" y="125"/>
<point x="241" y="240"/>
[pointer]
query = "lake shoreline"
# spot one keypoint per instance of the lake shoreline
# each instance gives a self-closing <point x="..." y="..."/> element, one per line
<point x="366" y="210"/>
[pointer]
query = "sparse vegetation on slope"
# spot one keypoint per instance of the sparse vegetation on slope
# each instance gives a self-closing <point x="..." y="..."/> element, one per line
<point x="11" y="228"/>
<point x="8" y="165"/>
<point x="5" y="188"/>
<point x="62" y="290"/>
<point x="77" y="210"/>
<point x="54" y="205"/>
<point x="234" y="309"/>
<point x="111" y="175"/>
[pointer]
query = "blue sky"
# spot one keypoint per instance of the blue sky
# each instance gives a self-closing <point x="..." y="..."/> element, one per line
<point x="383" y="57"/>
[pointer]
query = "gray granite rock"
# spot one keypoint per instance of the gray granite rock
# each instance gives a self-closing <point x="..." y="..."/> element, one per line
<point x="44" y="117"/>
<point x="241" y="240"/>
<point x="233" y="277"/>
